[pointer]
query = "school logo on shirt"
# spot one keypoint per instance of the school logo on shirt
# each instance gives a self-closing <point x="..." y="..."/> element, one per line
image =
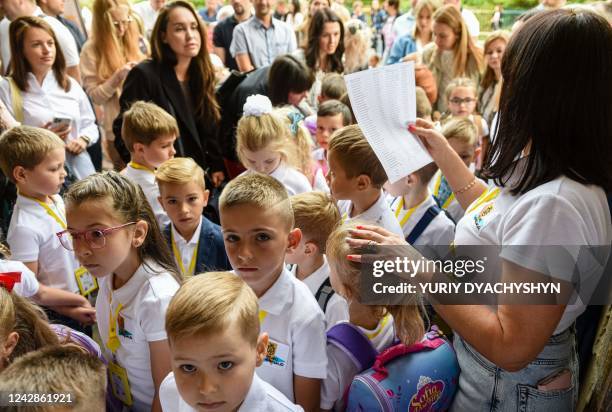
<point x="122" y="331"/>
<point x="276" y="354"/>
<point x="428" y="393"/>
<point x="479" y="219"/>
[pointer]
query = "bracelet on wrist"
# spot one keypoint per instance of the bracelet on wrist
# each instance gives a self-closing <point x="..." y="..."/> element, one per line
<point x="466" y="187"/>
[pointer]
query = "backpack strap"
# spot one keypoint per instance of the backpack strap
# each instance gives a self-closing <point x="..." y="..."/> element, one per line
<point x="324" y="294"/>
<point x="16" y="100"/>
<point x="428" y="217"/>
<point x="353" y="343"/>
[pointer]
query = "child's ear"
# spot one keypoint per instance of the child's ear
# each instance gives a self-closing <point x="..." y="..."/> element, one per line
<point x="205" y="196"/>
<point x="411" y="179"/>
<point x="310" y="248"/>
<point x="363" y="182"/>
<point x="9" y="345"/>
<point x="294" y="237"/>
<point x="262" y="348"/>
<point x="140" y="233"/>
<point x="19" y="174"/>
<point x="138" y="148"/>
<point x="477" y="152"/>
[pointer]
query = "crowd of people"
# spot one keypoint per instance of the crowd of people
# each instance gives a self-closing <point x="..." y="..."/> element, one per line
<point x="187" y="196"/>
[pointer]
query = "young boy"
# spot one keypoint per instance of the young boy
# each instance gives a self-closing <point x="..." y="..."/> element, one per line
<point x="356" y="178"/>
<point x="257" y="222"/>
<point x="149" y="133"/>
<point x="333" y="87"/>
<point x="316" y="215"/>
<point x="422" y="221"/>
<point x="69" y="378"/>
<point x="332" y="115"/>
<point x="215" y="345"/>
<point x="195" y="241"/>
<point x="33" y="159"/>
<point x="423" y="106"/>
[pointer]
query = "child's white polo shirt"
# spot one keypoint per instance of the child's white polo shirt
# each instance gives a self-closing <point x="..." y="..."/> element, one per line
<point x="296" y="327"/>
<point x="144" y="299"/>
<point x="28" y="286"/>
<point x="337" y="307"/>
<point x="439" y="232"/>
<point x="32" y="238"/>
<point x="378" y="214"/>
<point x="261" y="397"/>
<point x="145" y="178"/>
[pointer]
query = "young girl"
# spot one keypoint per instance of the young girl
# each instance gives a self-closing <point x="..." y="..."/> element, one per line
<point x="490" y="86"/>
<point x="264" y="145"/>
<point x="453" y="54"/>
<point x="381" y="324"/>
<point x="462" y="136"/>
<point x="114" y="234"/>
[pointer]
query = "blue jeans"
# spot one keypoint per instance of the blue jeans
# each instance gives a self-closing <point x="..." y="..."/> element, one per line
<point x="485" y="387"/>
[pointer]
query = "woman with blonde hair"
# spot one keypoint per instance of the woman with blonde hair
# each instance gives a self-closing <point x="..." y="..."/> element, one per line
<point x="453" y="53"/>
<point x="106" y="59"/>
<point x="490" y="86"/>
<point x="420" y="36"/>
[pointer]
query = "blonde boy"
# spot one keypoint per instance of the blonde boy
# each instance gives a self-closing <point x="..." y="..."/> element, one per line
<point x="74" y="379"/>
<point x="149" y="133"/>
<point x="257" y="222"/>
<point x="195" y="241"/>
<point x="33" y="159"/>
<point x="316" y="215"/>
<point x="355" y="179"/>
<point x="215" y="345"/>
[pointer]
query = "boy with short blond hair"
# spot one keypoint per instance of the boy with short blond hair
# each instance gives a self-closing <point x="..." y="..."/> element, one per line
<point x="316" y="215"/>
<point x="258" y="229"/>
<point x="149" y="133"/>
<point x="356" y="178"/>
<point x="213" y="326"/>
<point x="33" y="159"/>
<point x="195" y="241"/>
<point x="66" y="375"/>
<point x="333" y="87"/>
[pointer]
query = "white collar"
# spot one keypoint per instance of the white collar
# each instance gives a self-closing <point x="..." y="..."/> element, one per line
<point x="49" y="82"/>
<point x="316" y="278"/>
<point x="256" y="396"/>
<point x="280" y="172"/>
<point x="374" y="212"/>
<point x="280" y="294"/>
<point x="181" y="242"/>
<point x="126" y="292"/>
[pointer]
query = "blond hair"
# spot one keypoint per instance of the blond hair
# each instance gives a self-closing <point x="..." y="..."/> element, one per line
<point x="261" y="191"/>
<point x="420" y="6"/>
<point x="408" y="321"/>
<point x="488" y="77"/>
<point x="26" y="146"/>
<point x="333" y="86"/>
<point x="423" y="105"/>
<point x="144" y="122"/>
<point x="316" y="215"/>
<point x="301" y="140"/>
<point x="58" y="369"/>
<point x="180" y="171"/>
<point x="209" y="303"/>
<point x="269" y="132"/>
<point x="465" y="49"/>
<point x="460" y="82"/>
<point x="462" y="129"/>
<point x="356" y="156"/>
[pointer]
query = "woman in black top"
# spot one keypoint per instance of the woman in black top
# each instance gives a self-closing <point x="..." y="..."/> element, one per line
<point x="179" y="78"/>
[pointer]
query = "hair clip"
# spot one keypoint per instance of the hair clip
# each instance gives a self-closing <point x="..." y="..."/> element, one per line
<point x="295" y="118"/>
<point x="257" y="105"/>
<point x="8" y="280"/>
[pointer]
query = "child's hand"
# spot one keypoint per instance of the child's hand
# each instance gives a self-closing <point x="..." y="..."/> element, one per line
<point x="435" y="143"/>
<point x="83" y="314"/>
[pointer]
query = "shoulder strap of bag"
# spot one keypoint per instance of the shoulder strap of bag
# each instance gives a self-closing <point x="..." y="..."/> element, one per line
<point x="324" y="294"/>
<point x="16" y="100"/>
<point x="428" y="217"/>
<point x="353" y="343"/>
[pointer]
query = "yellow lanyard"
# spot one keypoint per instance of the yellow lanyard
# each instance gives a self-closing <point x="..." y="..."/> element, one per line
<point x="344" y="217"/>
<point x="138" y="166"/>
<point x="113" y="342"/>
<point x="437" y="189"/>
<point x="179" y="259"/>
<point x="262" y="316"/>
<point x="409" y="213"/>
<point x="486" y="196"/>
<point x="380" y="327"/>
<point x="56" y="216"/>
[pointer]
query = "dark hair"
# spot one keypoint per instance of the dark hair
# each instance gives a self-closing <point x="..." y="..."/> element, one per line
<point x="287" y="74"/>
<point x="333" y="108"/>
<point x="315" y="30"/>
<point x="19" y="65"/>
<point x="202" y="78"/>
<point x="556" y="100"/>
<point x="394" y="3"/>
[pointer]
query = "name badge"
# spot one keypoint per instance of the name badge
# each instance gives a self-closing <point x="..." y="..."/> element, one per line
<point x="87" y="283"/>
<point x="277" y="354"/>
<point x="120" y="384"/>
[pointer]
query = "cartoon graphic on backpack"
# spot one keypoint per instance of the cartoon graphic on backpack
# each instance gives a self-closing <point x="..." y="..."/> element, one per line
<point x="416" y="378"/>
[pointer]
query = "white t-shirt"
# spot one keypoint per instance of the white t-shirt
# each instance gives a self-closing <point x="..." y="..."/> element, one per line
<point x="294" y="181"/>
<point x="337" y="307"/>
<point x="144" y="299"/>
<point x="261" y="397"/>
<point x="41" y="103"/>
<point x="341" y="370"/>
<point x="560" y="212"/>
<point x="296" y="327"/>
<point x="440" y="231"/>
<point x="64" y="38"/>
<point x="31" y="237"/>
<point x="148" y="15"/>
<point x="186" y="248"/>
<point x="28" y="286"/>
<point x="471" y="22"/>
<point x="379" y="214"/>
<point x="320" y="183"/>
<point x="145" y="178"/>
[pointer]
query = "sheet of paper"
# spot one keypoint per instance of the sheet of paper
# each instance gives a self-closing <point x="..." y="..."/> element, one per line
<point x="384" y="101"/>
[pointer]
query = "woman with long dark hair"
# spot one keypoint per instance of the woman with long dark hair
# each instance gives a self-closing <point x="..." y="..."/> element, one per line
<point x="179" y="78"/>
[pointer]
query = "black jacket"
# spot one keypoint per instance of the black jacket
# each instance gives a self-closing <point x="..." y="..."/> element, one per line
<point x="157" y="83"/>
